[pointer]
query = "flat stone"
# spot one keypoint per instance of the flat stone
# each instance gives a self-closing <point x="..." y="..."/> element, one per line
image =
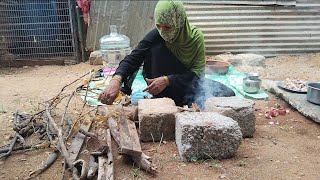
<point x="296" y="100"/>
<point x="156" y="119"/>
<point x="239" y="109"/>
<point x="206" y="135"/>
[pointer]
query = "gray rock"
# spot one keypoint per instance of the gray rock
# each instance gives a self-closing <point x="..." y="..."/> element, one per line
<point x="243" y="59"/>
<point x="206" y="135"/>
<point x="156" y="118"/>
<point x="95" y="58"/>
<point x="239" y="109"/>
<point x="251" y="59"/>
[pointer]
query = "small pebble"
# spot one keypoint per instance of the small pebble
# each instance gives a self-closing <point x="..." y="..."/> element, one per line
<point x="164" y="142"/>
<point x="222" y="176"/>
<point x="184" y="165"/>
<point x="1" y="162"/>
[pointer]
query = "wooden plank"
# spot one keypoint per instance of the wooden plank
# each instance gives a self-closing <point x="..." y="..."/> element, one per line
<point x="109" y="165"/>
<point x="114" y="130"/>
<point x="142" y="161"/>
<point x="77" y="142"/>
<point x="129" y="140"/>
<point x="102" y="161"/>
<point x="105" y="169"/>
<point x="134" y="137"/>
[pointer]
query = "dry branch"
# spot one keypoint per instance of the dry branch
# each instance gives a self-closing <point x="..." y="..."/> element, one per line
<point x="63" y="150"/>
<point x="13" y="142"/>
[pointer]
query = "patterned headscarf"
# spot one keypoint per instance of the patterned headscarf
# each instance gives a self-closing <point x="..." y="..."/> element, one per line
<point x="185" y="41"/>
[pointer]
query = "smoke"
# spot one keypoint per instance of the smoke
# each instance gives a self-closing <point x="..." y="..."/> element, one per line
<point x="207" y="88"/>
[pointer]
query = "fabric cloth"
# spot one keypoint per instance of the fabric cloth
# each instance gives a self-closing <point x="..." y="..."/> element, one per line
<point x="185" y="41"/>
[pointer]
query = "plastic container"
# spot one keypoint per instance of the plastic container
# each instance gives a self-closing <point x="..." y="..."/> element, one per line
<point x="114" y="47"/>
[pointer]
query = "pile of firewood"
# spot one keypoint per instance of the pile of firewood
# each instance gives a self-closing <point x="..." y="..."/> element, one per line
<point x="43" y="124"/>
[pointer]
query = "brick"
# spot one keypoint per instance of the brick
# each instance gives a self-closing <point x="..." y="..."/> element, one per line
<point x="156" y="117"/>
<point x="206" y="135"/>
<point x="239" y="109"/>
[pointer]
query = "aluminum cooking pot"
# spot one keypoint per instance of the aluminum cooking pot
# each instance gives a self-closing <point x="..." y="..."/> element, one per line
<point x="313" y="94"/>
<point x="251" y="83"/>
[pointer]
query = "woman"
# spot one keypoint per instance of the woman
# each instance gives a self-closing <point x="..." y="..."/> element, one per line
<point x="172" y="54"/>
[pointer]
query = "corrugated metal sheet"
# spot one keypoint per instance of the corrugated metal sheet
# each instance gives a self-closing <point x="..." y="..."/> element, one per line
<point x="133" y="18"/>
<point x="266" y="30"/>
<point x="250" y="2"/>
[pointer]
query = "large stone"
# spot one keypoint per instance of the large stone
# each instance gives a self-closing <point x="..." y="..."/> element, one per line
<point x="243" y="59"/>
<point x="239" y="109"/>
<point x="205" y="135"/>
<point x="95" y="58"/>
<point x="156" y="119"/>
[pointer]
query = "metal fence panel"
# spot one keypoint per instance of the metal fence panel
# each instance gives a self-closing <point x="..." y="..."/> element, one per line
<point x="33" y="29"/>
<point x="133" y="18"/>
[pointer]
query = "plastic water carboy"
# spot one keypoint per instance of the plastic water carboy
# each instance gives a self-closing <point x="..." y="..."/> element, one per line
<point x="114" y="47"/>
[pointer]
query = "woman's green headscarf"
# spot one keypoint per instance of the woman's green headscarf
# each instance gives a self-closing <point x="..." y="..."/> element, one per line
<point x="185" y="41"/>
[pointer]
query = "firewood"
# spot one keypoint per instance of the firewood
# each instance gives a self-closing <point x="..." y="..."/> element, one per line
<point x="141" y="161"/>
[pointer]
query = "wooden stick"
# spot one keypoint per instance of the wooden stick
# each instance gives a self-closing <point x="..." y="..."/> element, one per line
<point x="110" y="168"/>
<point x="52" y="158"/>
<point x="13" y="142"/>
<point x="25" y="147"/>
<point x="84" y="168"/>
<point x="93" y="167"/>
<point x="64" y="150"/>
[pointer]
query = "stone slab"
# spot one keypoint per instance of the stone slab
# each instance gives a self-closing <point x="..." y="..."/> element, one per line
<point x="206" y="135"/>
<point x="239" y="109"/>
<point x="297" y="100"/>
<point x="156" y="119"/>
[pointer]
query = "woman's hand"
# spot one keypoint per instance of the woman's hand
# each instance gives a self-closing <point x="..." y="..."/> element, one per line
<point x="111" y="91"/>
<point x="157" y="85"/>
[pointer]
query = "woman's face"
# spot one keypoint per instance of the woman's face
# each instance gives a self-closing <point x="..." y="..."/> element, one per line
<point x="168" y="33"/>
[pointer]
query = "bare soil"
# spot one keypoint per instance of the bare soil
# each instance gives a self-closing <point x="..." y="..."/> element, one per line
<point x="288" y="148"/>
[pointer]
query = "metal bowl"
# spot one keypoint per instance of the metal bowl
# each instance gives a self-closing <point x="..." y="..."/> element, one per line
<point x="217" y="67"/>
<point x="313" y="94"/>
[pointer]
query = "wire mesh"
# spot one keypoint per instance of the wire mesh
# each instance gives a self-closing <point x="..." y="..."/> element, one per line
<point x="34" y="29"/>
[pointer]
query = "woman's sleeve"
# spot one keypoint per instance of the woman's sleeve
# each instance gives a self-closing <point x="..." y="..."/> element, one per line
<point x="132" y="62"/>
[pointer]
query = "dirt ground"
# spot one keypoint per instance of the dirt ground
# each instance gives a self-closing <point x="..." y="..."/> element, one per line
<point x="288" y="148"/>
